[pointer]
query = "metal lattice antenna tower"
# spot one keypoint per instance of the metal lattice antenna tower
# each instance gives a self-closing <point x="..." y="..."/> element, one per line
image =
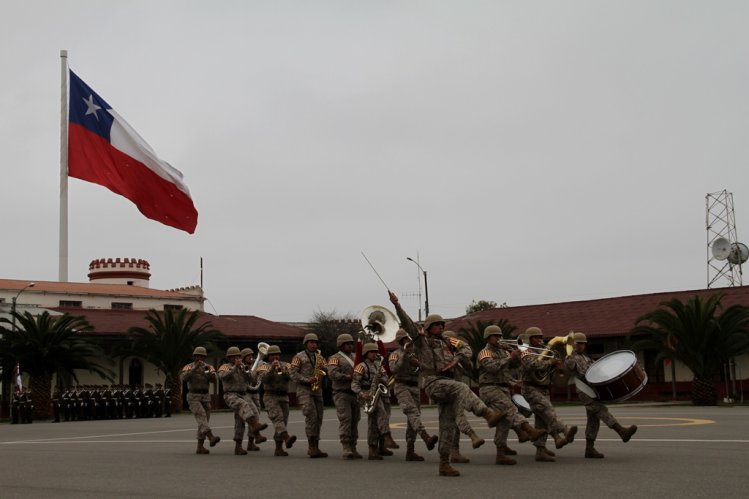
<point x="721" y="234"/>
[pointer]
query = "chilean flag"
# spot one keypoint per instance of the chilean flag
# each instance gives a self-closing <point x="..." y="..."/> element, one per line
<point x="104" y="149"/>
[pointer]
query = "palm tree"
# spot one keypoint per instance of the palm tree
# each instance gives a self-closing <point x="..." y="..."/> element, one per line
<point x="168" y="344"/>
<point x="696" y="334"/>
<point x="44" y="346"/>
<point x="473" y="334"/>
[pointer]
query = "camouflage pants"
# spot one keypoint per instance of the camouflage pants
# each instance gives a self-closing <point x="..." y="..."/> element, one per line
<point x="244" y="409"/>
<point x="239" y="423"/>
<point x="377" y="423"/>
<point x="256" y="398"/>
<point x="277" y="407"/>
<point x="200" y="406"/>
<point x="312" y="408"/>
<point x="452" y="398"/>
<point x="409" y="399"/>
<point x="349" y="414"/>
<point x="596" y="412"/>
<point x="462" y="426"/>
<point x="499" y="398"/>
<point x="543" y="412"/>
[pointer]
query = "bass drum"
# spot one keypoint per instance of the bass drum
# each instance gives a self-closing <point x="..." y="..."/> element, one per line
<point x="522" y="404"/>
<point x="617" y="376"/>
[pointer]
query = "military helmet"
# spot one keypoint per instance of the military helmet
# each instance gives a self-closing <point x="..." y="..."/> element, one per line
<point x="449" y="334"/>
<point x="200" y="351"/>
<point x="232" y="351"/>
<point x="400" y="335"/>
<point x="533" y="331"/>
<point x="433" y="319"/>
<point x="343" y="338"/>
<point x="245" y="352"/>
<point x="273" y="349"/>
<point x="492" y="330"/>
<point x="309" y="337"/>
<point x="580" y="338"/>
<point x="369" y="347"/>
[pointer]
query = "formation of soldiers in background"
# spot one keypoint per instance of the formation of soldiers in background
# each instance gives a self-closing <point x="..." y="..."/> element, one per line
<point x="87" y="402"/>
<point x="22" y="408"/>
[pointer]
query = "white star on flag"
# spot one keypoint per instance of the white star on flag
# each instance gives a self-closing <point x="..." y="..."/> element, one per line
<point x="91" y="107"/>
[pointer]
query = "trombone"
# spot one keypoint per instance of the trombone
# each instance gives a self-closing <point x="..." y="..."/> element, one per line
<point x="543" y="352"/>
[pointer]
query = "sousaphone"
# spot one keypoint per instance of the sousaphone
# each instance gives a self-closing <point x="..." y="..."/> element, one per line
<point x="379" y="323"/>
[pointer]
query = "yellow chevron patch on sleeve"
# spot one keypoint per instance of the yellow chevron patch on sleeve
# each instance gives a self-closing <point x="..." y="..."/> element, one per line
<point x="296" y="362"/>
<point x="333" y="361"/>
<point x="455" y="342"/>
<point x="263" y="369"/>
<point x="359" y="369"/>
<point x="188" y="367"/>
<point x="394" y="357"/>
<point x="484" y="354"/>
<point x="224" y="368"/>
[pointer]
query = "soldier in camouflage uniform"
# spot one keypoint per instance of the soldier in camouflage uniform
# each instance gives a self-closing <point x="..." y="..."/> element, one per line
<point x="246" y="354"/>
<point x="275" y="378"/>
<point x="368" y="375"/>
<point x="198" y="375"/>
<point x="340" y="372"/>
<point x="404" y="364"/>
<point x="463" y="426"/>
<point x="235" y="377"/>
<point x="536" y="383"/>
<point x="577" y="363"/>
<point x="307" y="370"/>
<point x="437" y="361"/>
<point x="495" y="382"/>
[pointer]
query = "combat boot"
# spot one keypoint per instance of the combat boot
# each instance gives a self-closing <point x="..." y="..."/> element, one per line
<point x="255" y="425"/>
<point x="508" y="451"/>
<point x="314" y="451"/>
<point x="543" y="457"/>
<point x="457" y="457"/>
<point x="430" y="441"/>
<point x="348" y="455"/>
<point x="201" y="448"/>
<point x="251" y="443"/>
<point x="212" y="439"/>
<point x="590" y="450"/>
<point x="259" y="439"/>
<point x="279" y="449"/>
<point x="238" y="450"/>
<point x="411" y="455"/>
<point x="445" y="468"/>
<point x="389" y="442"/>
<point x="374" y="453"/>
<point x="492" y="417"/>
<point x="288" y="439"/>
<point x="625" y="433"/>
<point x="527" y="432"/>
<point x="559" y="440"/>
<point x="548" y="452"/>
<point x="384" y="451"/>
<point x="569" y="433"/>
<point x="354" y="453"/>
<point x="476" y="441"/>
<point x="502" y="458"/>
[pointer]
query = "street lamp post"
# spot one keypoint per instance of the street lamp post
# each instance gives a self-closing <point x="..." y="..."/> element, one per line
<point x="426" y="287"/>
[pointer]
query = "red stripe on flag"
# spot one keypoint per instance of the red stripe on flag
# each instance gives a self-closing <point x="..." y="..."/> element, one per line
<point x="93" y="159"/>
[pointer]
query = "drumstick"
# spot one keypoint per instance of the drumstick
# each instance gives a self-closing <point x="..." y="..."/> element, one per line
<point x="375" y="271"/>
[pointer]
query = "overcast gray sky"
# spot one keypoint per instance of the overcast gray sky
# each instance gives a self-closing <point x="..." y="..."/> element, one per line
<point x="529" y="152"/>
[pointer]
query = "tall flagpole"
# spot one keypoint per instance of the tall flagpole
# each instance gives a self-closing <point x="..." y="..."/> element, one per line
<point x="63" y="262"/>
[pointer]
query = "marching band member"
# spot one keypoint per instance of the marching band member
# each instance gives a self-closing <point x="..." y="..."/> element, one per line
<point x="368" y="376"/>
<point x="340" y="372"/>
<point x="247" y="355"/>
<point x="494" y="389"/>
<point x="436" y="362"/>
<point x="275" y="378"/>
<point x="536" y="391"/>
<point x="405" y="368"/>
<point x="578" y="363"/>
<point x="307" y="370"/>
<point x="235" y="377"/>
<point x="198" y="375"/>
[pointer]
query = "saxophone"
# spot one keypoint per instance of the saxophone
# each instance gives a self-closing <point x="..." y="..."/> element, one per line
<point x="319" y="373"/>
<point x="376" y="391"/>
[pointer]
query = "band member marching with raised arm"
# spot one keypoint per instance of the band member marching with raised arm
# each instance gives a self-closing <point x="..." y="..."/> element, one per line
<point x="235" y="376"/>
<point x="198" y="375"/>
<point x="437" y="361"/>
<point x="578" y="363"/>
<point x="307" y="370"/>
<point x="495" y="364"/>
<point x="368" y="376"/>
<point x="404" y="364"/>
<point x="536" y="383"/>
<point x="275" y="378"/>
<point x="341" y="372"/>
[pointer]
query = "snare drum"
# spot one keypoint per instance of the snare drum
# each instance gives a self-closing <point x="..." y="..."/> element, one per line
<point x="522" y="404"/>
<point x="617" y="376"/>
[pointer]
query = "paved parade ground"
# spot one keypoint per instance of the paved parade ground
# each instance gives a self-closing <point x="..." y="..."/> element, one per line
<point x="678" y="451"/>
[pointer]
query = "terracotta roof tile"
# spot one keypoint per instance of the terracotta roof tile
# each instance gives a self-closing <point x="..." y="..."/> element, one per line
<point x="91" y="289"/>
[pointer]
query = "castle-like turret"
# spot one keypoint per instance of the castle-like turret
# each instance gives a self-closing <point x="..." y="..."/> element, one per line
<point x="130" y="271"/>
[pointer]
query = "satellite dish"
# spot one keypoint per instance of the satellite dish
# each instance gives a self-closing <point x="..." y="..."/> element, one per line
<point x="739" y="254"/>
<point x="721" y="248"/>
